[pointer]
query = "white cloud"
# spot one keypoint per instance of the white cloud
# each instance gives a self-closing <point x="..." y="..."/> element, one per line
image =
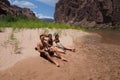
<point x="39" y="15"/>
<point x="10" y="1"/>
<point x="49" y="2"/>
<point x="24" y="4"/>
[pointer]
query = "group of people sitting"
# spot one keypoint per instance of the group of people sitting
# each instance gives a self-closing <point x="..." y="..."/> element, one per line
<point x="47" y="48"/>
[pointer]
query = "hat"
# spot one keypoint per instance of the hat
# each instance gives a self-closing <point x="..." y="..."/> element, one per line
<point x="55" y="34"/>
<point x="43" y="34"/>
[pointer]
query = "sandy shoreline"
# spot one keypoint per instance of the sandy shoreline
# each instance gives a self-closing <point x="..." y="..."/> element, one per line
<point x="16" y="45"/>
<point x="96" y="57"/>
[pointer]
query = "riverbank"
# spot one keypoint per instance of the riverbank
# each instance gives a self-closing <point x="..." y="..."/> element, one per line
<point x="96" y="57"/>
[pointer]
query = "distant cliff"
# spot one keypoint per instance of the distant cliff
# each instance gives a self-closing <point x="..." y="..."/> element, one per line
<point x="88" y="12"/>
<point x="6" y="8"/>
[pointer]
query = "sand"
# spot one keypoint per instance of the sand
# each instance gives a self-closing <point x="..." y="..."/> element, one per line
<point x="97" y="56"/>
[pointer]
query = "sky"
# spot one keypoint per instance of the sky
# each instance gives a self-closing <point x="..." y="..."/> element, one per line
<point x="41" y="8"/>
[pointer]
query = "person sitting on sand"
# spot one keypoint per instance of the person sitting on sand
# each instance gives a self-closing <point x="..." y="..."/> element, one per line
<point x="46" y="51"/>
<point x="59" y="45"/>
<point x="50" y="44"/>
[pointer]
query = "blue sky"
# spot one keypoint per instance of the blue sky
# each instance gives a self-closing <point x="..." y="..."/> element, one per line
<point x="41" y="8"/>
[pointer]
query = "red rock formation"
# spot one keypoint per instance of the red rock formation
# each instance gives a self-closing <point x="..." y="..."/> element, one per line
<point x="6" y="8"/>
<point x="88" y="12"/>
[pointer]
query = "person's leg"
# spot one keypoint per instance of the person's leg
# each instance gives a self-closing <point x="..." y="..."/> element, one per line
<point x="50" y="58"/>
<point x="65" y="48"/>
<point x="58" y="50"/>
<point x="59" y="56"/>
<point x="69" y="49"/>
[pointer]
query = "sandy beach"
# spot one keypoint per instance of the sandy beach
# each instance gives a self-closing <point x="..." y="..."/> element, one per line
<point x="97" y="56"/>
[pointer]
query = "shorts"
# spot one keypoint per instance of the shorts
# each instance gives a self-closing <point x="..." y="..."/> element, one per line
<point x="51" y="53"/>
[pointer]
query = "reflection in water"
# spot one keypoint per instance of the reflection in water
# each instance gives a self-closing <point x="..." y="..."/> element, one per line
<point x="110" y="37"/>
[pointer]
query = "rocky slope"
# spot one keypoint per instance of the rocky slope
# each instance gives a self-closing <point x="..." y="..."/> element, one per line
<point x="6" y="8"/>
<point x="88" y="12"/>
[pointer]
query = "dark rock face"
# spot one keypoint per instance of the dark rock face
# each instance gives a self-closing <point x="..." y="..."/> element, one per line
<point x="116" y="12"/>
<point x="5" y="2"/>
<point x="88" y="12"/>
<point x="6" y="8"/>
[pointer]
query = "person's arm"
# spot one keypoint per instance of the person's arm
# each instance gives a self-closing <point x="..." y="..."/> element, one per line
<point x="38" y="47"/>
<point x="54" y="40"/>
<point x="48" y="43"/>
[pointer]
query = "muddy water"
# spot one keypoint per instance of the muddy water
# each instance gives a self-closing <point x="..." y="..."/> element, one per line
<point x="109" y="37"/>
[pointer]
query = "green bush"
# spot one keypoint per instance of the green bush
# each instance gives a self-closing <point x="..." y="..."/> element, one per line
<point x="24" y="22"/>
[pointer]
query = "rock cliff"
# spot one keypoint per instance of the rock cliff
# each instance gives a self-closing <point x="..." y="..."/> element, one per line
<point x="6" y="8"/>
<point x="88" y="12"/>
